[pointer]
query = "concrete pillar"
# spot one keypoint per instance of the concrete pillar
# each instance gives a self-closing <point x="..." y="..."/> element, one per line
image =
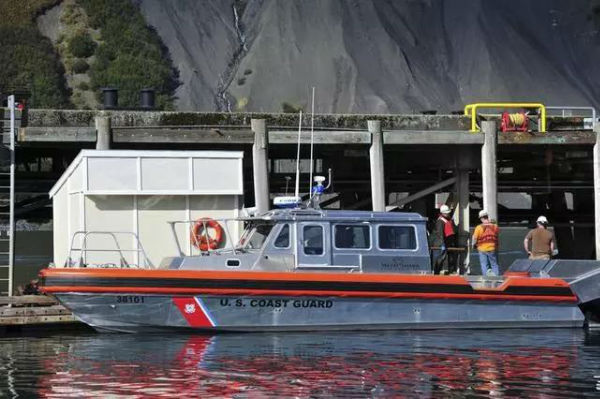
<point x="260" y="159"/>
<point x="102" y="132"/>
<point x="597" y="192"/>
<point x="377" y="171"/>
<point x="488" y="168"/>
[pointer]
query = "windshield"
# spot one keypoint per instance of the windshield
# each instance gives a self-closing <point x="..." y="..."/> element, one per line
<point x="255" y="235"/>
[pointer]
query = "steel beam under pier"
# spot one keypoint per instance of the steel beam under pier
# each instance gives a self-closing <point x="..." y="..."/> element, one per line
<point x="420" y="194"/>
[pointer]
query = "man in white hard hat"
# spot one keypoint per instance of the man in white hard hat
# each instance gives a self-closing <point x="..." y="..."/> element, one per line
<point x="543" y="243"/>
<point x="485" y="239"/>
<point x="442" y="237"/>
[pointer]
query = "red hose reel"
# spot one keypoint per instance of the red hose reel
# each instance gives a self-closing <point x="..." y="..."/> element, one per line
<point x="517" y="122"/>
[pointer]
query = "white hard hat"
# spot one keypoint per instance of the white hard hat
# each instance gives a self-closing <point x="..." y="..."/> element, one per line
<point x="483" y="214"/>
<point x="444" y="209"/>
<point x="542" y="219"/>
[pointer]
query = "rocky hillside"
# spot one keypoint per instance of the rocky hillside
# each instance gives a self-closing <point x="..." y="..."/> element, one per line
<point x="378" y="55"/>
<point x="265" y="55"/>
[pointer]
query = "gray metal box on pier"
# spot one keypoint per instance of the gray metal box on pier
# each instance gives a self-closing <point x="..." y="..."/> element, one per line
<point x="135" y="193"/>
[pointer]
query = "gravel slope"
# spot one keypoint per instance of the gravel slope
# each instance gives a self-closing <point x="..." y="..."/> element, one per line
<point x="378" y="55"/>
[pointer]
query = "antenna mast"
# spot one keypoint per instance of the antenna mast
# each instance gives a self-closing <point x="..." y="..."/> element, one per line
<point x="312" y="136"/>
<point x="297" y="192"/>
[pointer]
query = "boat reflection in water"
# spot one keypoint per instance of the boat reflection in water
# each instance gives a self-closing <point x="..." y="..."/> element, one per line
<point x="506" y="363"/>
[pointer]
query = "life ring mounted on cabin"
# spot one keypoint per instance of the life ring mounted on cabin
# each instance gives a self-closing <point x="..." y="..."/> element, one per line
<point x="200" y="234"/>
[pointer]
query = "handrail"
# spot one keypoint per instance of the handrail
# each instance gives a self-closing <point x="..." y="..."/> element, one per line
<point x="471" y="110"/>
<point x="564" y="108"/>
<point x="83" y="249"/>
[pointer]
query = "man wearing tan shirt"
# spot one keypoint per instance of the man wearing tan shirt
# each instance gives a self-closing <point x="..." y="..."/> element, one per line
<point x="543" y="243"/>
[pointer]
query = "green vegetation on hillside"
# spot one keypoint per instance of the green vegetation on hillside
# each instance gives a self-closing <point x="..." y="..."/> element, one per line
<point x="82" y="45"/>
<point x="76" y="44"/>
<point x="125" y="53"/>
<point x="19" y="13"/>
<point x="130" y="55"/>
<point x="80" y="66"/>
<point x="28" y="60"/>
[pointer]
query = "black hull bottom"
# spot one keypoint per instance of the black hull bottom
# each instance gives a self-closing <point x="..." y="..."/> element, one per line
<point x="591" y="310"/>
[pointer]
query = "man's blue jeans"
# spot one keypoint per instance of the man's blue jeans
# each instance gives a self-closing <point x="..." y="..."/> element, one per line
<point x="488" y="260"/>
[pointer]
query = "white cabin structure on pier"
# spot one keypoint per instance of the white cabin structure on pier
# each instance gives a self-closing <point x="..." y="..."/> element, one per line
<point x="133" y="194"/>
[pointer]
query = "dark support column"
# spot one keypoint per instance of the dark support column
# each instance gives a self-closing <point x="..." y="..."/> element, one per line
<point x="463" y="208"/>
<point x="597" y="192"/>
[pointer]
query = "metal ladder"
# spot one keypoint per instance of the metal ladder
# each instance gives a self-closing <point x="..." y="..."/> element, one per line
<point x="7" y="196"/>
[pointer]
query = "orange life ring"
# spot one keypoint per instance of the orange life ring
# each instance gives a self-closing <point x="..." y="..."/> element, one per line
<point x="200" y="237"/>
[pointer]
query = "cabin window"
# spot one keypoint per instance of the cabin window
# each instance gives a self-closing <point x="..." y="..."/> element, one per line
<point x="283" y="239"/>
<point x="313" y="240"/>
<point x="397" y="237"/>
<point x="352" y="236"/>
<point x="255" y="235"/>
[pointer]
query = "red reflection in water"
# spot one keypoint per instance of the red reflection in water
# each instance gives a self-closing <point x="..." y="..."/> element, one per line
<point x="190" y="374"/>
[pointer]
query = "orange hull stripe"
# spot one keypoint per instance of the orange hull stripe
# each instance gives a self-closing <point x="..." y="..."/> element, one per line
<point x="288" y="276"/>
<point x="215" y="291"/>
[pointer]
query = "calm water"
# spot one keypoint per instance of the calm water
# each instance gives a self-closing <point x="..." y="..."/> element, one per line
<point x="503" y="363"/>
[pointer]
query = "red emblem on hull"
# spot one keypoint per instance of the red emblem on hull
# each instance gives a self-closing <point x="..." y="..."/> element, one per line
<point x="194" y="311"/>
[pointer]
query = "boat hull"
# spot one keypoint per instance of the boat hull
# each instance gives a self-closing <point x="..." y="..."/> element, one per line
<point x="149" y="300"/>
<point x="136" y="313"/>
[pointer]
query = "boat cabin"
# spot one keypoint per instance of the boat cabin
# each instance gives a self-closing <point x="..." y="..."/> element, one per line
<point x="305" y="240"/>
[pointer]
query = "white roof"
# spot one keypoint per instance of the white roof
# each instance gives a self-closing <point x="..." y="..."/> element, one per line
<point x="128" y="170"/>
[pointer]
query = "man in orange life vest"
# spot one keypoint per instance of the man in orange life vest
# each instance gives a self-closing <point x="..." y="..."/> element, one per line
<point x="485" y="239"/>
<point x="442" y="237"/>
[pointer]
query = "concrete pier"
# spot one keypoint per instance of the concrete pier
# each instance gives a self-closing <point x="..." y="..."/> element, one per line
<point x="103" y="136"/>
<point x="377" y="168"/>
<point x="488" y="168"/>
<point x="422" y="154"/>
<point x="260" y="161"/>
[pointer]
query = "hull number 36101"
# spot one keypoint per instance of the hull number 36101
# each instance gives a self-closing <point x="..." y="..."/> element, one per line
<point x="130" y="299"/>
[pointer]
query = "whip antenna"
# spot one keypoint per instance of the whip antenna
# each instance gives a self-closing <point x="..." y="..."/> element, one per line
<point x="312" y="136"/>
<point x="297" y="192"/>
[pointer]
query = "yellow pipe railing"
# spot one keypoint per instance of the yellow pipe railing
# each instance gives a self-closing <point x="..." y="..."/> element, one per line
<point x="471" y="110"/>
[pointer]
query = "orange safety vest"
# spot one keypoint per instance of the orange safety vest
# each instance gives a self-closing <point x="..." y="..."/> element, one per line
<point x="448" y="226"/>
<point x="489" y="235"/>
